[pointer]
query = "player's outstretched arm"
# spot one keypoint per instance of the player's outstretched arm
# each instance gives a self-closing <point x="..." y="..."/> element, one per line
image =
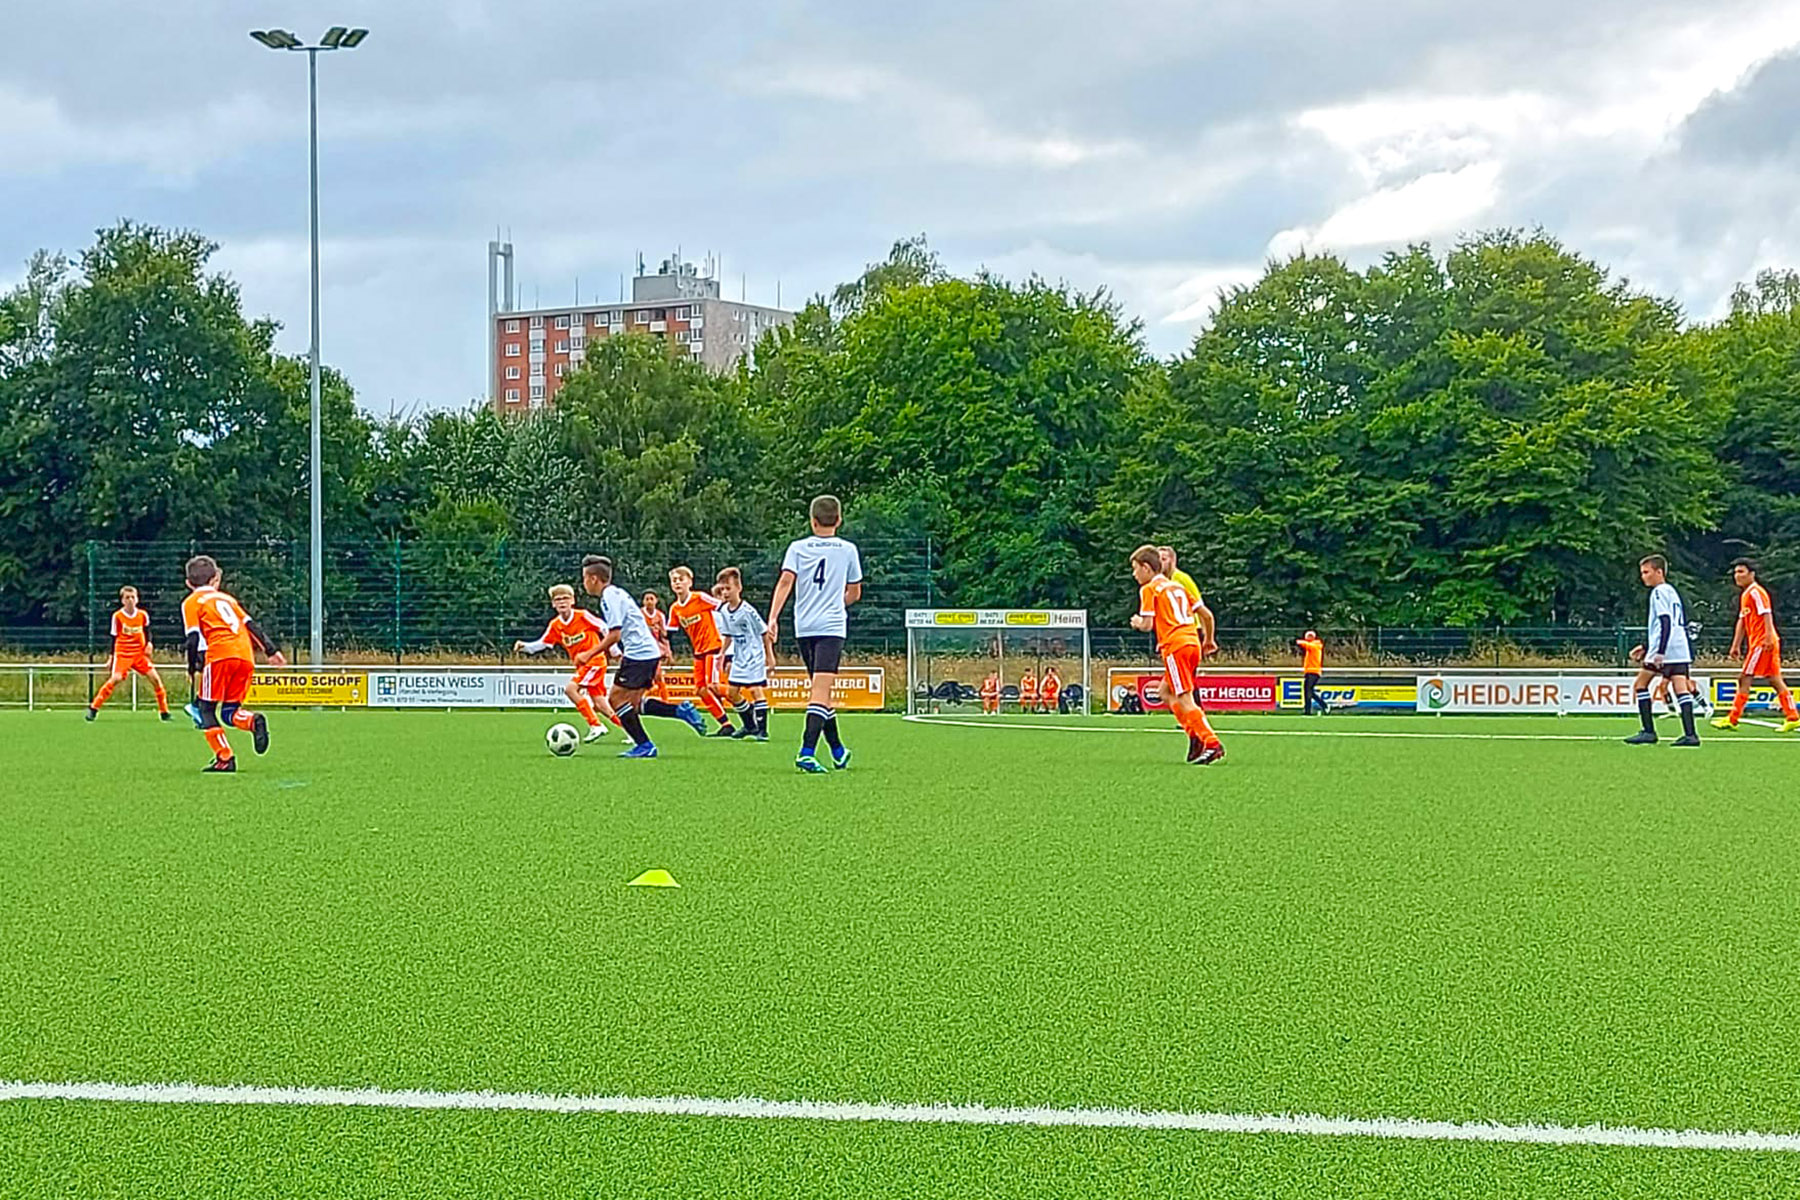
<point x="784" y="587"/>
<point x="261" y="641"/>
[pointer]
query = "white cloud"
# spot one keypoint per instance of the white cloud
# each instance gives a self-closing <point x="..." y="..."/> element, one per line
<point x="1440" y="202"/>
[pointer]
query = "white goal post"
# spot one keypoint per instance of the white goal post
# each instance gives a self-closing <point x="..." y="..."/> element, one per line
<point x="950" y="652"/>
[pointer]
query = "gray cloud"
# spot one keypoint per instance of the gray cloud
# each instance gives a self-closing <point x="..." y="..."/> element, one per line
<point x="1159" y="148"/>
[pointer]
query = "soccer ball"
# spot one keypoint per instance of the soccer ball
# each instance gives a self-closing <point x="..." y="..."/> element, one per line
<point x="562" y="740"/>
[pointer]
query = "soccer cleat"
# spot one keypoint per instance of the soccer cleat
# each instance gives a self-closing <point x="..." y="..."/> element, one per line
<point x="759" y="737"/>
<point x="1686" y="739"/>
<point x="220" y="766"/>
<point x="1196" y="747"/>
<point x="727" y="730"/>
<point x="810" y="764"/>
<point x="1790" y="726"/>
<point x="1214" y="753"/>
<point x="595" y="733"/>
<point x="92" y="713"/>
<point x="1724" y="723"/>
<point x="259" y="733"/>
<point x="687" y="712"/>
<point x="641" y="750"/>
<point x="1642" y="737"/>
<point x="840" y="758"/>
<point x="166" y="715"/>
<point x="193" y="712"/>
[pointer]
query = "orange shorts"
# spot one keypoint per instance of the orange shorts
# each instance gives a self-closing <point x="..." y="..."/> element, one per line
<point x="227" y="681"/>
<point x="591" y="678"/>
<point x="125" y="666"/>
<point x="706" y="671"/>
<point x="1182" y="667"/>
<point x="1763" y="663"/>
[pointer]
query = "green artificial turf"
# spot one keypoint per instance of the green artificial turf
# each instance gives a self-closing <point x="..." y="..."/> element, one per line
<point x="1517" y="931"/>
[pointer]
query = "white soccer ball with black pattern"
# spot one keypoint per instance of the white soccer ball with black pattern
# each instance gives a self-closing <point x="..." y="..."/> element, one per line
<point x="562" y="740"/>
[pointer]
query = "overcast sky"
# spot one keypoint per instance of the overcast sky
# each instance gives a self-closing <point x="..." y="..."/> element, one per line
<point x="1161" y="149"/>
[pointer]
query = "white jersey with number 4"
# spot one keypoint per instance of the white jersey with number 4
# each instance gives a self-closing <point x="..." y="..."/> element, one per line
<point x="1665" y="601"/>
<point x="619" y="611"/>
<point x="823" y="567"/>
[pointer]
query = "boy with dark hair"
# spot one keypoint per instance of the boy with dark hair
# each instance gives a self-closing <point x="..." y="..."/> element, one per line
<point x="823" y="574"/>
<point x="640" y="658"/>
<point x="750" y="644"/>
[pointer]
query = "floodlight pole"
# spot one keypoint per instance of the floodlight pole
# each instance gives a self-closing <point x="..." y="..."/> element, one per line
<point x="336" y="38"/>
<point x="318" y="502"/>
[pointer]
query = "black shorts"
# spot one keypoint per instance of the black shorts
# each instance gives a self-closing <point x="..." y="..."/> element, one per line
<point x="744" y="683"/>
<point x="636" y="674"/>
<point x="822" y="655"/>
<point x="1671" y="670"/>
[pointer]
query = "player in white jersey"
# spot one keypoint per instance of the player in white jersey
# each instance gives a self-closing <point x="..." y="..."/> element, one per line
<point x="1667" y="651"/>
<point x="823" y="573"/>
<point x="747" y="639"/>
<point x="640" y="656"/>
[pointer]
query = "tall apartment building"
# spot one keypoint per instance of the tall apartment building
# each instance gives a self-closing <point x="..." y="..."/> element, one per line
<point x="535" y="350"/>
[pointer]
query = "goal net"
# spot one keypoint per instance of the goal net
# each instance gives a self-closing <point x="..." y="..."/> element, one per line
<point x="954" y="655"/>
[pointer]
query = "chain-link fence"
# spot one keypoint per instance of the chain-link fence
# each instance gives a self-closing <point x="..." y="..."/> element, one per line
<point x="421" y="600"/>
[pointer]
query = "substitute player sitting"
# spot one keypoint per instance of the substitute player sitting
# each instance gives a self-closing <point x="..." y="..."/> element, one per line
<point x="751" y="644"/>
<point x="1050" y="690"/>
<point x="1755" y="632"/>
<point x="131" y="652"/>
<point x="990" y="693"/>
<point x="1028" y="692"/>
<point x="222" y="642"/>
<point x="579" y="634"/>
<point x="1164" y="607"/>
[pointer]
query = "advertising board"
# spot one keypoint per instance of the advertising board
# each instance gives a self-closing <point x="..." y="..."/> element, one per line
<point x="272" y="688"/>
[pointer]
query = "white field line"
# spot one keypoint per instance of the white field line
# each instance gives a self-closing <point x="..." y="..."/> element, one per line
<point x="750" y="1108"/>
<point x="1403" y="735"/>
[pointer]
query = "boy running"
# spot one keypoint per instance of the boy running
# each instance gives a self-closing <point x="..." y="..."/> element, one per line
<point x="578" y="633"/>
<point x="222" y="642"/>
<point x="640" y="657"/>
<point x="750" y="648"/>
<point x="693" y="612"/>
<point x="1755" y="632"/>
<point x="131" y="652"/>
<point x="1164" y="607"/>
<point x="823" y="573"/>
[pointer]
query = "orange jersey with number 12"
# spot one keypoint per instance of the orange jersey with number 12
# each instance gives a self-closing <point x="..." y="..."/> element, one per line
<point x="220" y="621"/>
<point x="1168" y="604"/>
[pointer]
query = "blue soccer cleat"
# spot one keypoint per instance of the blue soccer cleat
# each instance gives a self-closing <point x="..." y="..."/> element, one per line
<point x="810" y="764"/>
<point x="641" y="750"/>
<point x="840" y="758"/>
<point x="687" y="712"/>
<point x="193" y="712"/>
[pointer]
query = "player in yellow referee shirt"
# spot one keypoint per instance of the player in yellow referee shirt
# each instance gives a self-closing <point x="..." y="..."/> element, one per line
<point x="1203" y="618"/>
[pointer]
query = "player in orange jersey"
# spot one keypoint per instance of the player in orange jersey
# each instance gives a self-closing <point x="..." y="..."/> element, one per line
<point x="658" y="621"/>
<point x="1164" y="607"/>
<point x="222" y="642"/>
<point x="1028" y="692"/>
<point x="990" y="693"/>
<point x="579" y="634"/>
<point x="1050" y="690"/>
<point x="1755" y="632"/>
<point x="131" y="652"/>
<point x="693" y="612"/>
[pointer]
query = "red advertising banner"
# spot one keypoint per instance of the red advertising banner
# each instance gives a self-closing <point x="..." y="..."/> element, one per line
<point x="1216" y="693"/>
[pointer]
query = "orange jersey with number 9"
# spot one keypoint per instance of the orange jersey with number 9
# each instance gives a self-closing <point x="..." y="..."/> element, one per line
<point x="1168" y="604"/>
<point x="220" y="620"/>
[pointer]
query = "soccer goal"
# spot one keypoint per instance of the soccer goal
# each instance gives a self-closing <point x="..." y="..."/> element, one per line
<point x="955" y="655"/>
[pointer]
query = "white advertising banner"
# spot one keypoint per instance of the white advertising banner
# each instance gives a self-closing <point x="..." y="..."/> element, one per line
<point x="522" y="689"/>
<point x="432" y="689"/>
<point x="1607" y="695"/>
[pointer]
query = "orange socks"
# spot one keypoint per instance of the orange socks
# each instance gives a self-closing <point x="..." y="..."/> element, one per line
<point x="585" y="707"/>
<point x="713" y="706"/>
<point x="243" y="719"/>
<point x="1196" y="724"/>
<point x="162" y="699"/>
<point x="101" y="696"/>
<point x="216" y="739"/>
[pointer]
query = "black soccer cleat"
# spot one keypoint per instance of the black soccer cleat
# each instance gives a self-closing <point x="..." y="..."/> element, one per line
<point x="259" y="733"/>
<point x="168" y="716"/>
<point x="1214" y="753"/>
<point x="220" y="766"/>
<point x="727" y="730"/>
<point x="92" y="713"/>
<point x="1642" y="737"/>
<point x="1686" y="739"/>
<point x="1195" y="748"/>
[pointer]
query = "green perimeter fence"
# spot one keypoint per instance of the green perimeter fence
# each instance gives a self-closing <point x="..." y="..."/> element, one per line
<point x="415" y="600"/>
